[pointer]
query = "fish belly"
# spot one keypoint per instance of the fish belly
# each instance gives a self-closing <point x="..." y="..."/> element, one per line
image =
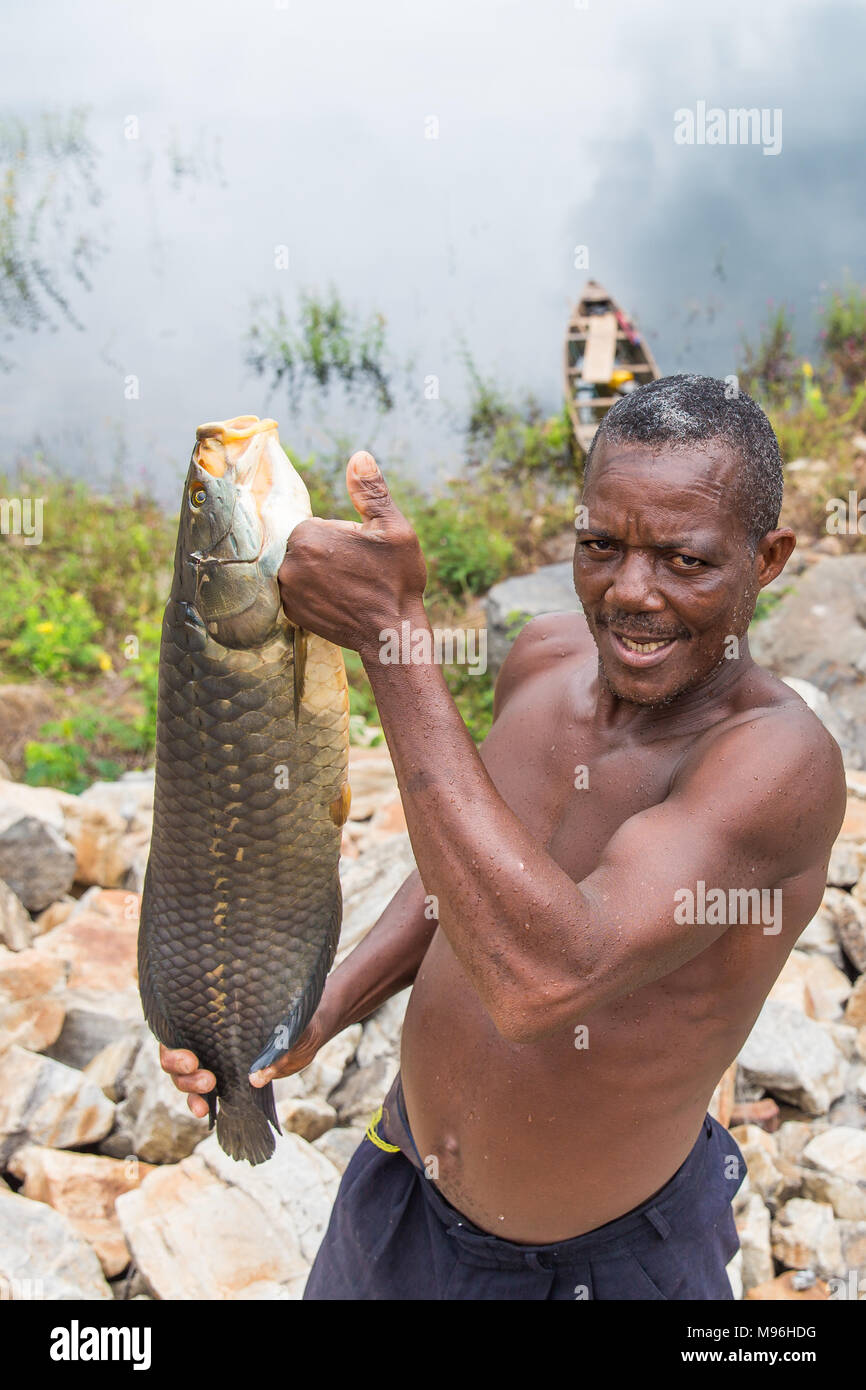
<point x="241" y="906"/>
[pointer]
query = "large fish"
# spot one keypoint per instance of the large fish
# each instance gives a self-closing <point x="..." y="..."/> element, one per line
<point x="241" y="906"/>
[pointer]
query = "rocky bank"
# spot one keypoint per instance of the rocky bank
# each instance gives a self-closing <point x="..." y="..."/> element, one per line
<point x="110" y="1188"/>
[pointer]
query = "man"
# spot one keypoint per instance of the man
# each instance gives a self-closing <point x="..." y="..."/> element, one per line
<point x="619" y="875"/>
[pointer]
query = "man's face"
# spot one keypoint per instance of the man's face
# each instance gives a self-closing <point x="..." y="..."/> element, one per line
<point x="663" y="568"/>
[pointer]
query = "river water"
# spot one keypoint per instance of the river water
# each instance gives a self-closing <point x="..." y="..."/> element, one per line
<point x="436" y="163"/>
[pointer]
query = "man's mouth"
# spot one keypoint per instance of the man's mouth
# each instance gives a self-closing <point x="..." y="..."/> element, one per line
<point x="641" y="651"/>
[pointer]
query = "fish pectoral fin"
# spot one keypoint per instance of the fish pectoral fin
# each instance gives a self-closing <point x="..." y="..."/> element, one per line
<point x="299" y="664"/>
<point x="189" y="626"/>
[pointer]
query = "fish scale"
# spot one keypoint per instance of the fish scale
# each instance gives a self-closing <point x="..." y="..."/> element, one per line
<point x="241" y="905"/>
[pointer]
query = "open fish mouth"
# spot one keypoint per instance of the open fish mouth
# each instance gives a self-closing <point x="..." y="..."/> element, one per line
<point x="228" y="452"/>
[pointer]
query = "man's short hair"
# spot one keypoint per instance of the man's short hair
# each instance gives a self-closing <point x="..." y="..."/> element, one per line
<point x="682" y="410"/>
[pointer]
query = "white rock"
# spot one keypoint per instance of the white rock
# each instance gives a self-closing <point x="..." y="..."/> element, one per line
<point x="753" y="1228"/>
<point x="793" y="1058"/>
<point x="844" y="1036"/>
<point x="16" y="928"/>
<point x="835" y="1171"/>
<point x="45" y="1102"/>
<point x="36" y="860"/>
<point x="792" y="1138"/>
<point x="381" y="1036"/>
<point x="42" y="1256"/>
<point x="361" y="1092"/>
<point x="31" y="1006"/>
<point x="818" y="937"/>
<point x="848" y="916"/>
<point x="94" y="1020"/>
<point x="327" y="1067"/>
<point x="855" y="1009"/>
<point x="83" y="1188"/>
<point x="340" y="1144"/>
<point x="298" y="1184"/>
<point x="369" y="884"/>
<point x="804" y="1236"/>
<point x="847" y="863"/>
<point x="210" y="1228"/>
<point x="734" y="1271"/>
<point x="154" y="1120"/>
<point x="759" y="1151"/>
<point x="108" y="824"/>
<point x="110" y="1068"/>
<point x="306" y="1116"/>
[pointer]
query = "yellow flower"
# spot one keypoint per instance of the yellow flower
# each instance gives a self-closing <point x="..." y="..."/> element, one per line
<point x="104" y="661"/>
<point x="44" y="627"/>
<point x="807" y="369"/>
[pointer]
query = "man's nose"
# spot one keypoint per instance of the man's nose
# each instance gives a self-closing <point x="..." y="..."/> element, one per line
<point x="633" y="586"/>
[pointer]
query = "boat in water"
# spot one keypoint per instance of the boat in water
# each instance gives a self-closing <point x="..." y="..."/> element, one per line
<point x="605" y="358"/>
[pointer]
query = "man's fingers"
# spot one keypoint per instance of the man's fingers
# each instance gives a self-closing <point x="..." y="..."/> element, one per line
<point x="177" y="1061"/>
<point x="198" y="1107"/>
<point x="198" y="1082"/>
<point x="368" y="489"/>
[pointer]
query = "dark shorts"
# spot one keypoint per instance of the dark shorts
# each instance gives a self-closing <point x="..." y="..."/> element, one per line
<point x="392" y="1235"/>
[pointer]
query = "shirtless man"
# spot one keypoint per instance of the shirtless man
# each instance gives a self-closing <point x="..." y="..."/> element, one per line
<point x="571" y="1014"/>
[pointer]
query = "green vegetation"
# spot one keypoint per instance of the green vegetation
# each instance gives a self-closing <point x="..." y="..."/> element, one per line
<point x="81" y="611"/>
<point x="817" y="404"/>
<point x="329" y="345"/>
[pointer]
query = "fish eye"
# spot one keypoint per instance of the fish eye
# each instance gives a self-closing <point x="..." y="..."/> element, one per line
<point x="198" y="496"/>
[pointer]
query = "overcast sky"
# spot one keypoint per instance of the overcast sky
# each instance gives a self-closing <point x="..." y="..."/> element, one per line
<point x="306" y="126"/>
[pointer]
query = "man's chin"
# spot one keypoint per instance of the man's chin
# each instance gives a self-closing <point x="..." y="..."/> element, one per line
<point x="638" y="691"/>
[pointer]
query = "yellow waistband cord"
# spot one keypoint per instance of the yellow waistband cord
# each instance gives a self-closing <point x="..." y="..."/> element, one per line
<point x="374" y="1138"/>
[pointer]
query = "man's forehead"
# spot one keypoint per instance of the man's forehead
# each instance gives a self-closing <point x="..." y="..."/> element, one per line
<point x="705" y="461"/>
<point x="686" y="490"/>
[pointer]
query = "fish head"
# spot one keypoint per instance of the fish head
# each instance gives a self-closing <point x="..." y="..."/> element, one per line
<point x="241" y="502"/>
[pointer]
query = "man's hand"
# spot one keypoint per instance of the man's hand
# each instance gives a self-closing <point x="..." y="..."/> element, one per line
<point x="182" y="1065"/>
<point x="347" y="581"/>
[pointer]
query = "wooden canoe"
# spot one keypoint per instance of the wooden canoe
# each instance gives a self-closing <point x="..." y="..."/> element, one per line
<point x="601" y="341"/>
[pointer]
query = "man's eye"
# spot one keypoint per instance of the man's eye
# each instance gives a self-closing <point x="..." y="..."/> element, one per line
<point x="603" y="546"/>
<point x="686" y="562"/>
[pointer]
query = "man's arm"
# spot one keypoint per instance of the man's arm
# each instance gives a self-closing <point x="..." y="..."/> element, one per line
<point x="539" y="949"/>
<point x="542" y="950"/>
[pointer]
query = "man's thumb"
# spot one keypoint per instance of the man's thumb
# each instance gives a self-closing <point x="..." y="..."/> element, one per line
<point x="367" y="487"/>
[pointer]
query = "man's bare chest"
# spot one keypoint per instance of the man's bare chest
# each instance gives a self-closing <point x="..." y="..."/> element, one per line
<point x="572" y="787"/>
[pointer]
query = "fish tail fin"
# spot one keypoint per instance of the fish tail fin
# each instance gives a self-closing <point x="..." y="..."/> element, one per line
<point x="243" y="1124"/>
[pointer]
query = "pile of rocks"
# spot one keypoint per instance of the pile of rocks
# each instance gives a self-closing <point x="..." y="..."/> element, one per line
<point x="111" y="1188"/>
<point x="800" y="1111"/>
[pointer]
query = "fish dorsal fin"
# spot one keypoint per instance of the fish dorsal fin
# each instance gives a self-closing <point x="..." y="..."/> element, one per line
<point x="299" y="653"/>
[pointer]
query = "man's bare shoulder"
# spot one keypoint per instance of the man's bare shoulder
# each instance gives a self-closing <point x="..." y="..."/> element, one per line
<point x="544" y="642"/>
<point x="771" y="746"/>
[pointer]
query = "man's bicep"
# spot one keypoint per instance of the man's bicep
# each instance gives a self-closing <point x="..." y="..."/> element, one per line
<point x="676" y="876"/>
<point x="645" y="897"/>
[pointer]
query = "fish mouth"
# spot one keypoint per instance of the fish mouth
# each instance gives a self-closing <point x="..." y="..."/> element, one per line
<point x="223" y="447"/>
<point x="213" y="450"/>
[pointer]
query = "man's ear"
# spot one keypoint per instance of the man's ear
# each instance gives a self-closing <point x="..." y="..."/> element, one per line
<point x="773" y="553"/>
